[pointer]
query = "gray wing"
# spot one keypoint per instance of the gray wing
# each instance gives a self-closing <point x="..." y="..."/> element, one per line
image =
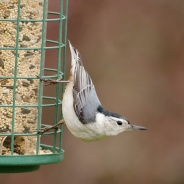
<point x="86" y="100"/>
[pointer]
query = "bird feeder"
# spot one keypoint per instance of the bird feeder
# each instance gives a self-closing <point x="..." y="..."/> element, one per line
<point x="25" y="105"/>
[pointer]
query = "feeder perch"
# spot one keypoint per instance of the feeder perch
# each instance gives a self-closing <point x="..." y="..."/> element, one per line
<point x="25" y="103"/>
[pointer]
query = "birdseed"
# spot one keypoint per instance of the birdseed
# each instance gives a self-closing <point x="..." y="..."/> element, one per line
<point x="28" y="65"/>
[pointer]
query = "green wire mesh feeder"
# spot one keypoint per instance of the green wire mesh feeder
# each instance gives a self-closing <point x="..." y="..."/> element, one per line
<point x="23" y="49"/>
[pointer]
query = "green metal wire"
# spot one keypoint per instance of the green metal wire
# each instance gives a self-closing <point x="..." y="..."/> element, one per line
<point x="37" y="20"/>
<point x="54" y="102"/>
<point x="64" y="58"/>
<point x="36" y="48"/>
<point x="59" y="67"/>
<point x="41" y="73"/>
<point x="15" y="77"/>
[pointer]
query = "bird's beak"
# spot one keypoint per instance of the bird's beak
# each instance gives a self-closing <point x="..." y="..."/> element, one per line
<point x="135" y="127"/>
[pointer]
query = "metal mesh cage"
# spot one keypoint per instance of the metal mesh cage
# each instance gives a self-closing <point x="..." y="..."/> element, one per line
<point x="25" y="103"/>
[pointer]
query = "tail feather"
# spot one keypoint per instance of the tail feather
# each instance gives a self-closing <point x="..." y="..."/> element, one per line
<point x="75" y="58"/>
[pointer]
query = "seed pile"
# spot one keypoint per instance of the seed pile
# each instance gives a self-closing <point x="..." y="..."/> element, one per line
<point x="22" y="146"/>
<point x="29" y="36"/>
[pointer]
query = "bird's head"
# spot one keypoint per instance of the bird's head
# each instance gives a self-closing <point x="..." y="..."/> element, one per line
<point x="115" y="123"/>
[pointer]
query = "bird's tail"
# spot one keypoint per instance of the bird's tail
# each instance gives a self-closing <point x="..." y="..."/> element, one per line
<point x="75" y="58"/>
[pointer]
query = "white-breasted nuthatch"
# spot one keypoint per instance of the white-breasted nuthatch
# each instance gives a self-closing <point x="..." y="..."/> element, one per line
<point x="83" y="113"/>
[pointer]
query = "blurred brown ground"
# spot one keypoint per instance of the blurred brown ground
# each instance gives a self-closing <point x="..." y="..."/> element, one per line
<point x="133" y="51"/>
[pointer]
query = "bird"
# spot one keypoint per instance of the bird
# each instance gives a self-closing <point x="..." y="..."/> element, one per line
<point x="83" y="113"/>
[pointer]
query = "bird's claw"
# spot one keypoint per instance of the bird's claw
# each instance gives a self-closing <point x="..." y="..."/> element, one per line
<point x="47" y="128"/>
<point x="51" y="81"/>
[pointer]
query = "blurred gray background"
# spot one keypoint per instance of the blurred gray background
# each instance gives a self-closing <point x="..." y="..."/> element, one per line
<point x="133" y="51"/>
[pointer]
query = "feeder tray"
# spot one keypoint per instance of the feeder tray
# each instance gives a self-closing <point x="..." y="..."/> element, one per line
<point x="23" y="50"/>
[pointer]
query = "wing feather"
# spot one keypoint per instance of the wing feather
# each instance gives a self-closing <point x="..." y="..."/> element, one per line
<point x="85" y="98"/>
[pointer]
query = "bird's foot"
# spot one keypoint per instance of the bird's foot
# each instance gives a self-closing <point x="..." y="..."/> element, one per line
<point x="54" y="127"/>
<point x="51" y="81"/>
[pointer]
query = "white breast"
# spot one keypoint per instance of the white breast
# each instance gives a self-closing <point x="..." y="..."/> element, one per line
<point x="86" y="132"/>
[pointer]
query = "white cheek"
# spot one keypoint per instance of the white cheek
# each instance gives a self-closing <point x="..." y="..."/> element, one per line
<point x="100" y="117"/>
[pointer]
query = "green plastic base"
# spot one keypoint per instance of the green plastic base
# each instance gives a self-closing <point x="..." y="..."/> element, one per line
<point x="29" y="163"/>
<point x="18" y="169"/>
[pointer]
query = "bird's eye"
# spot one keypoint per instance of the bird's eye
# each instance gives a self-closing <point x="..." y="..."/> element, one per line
<point x="119" y="122"/>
